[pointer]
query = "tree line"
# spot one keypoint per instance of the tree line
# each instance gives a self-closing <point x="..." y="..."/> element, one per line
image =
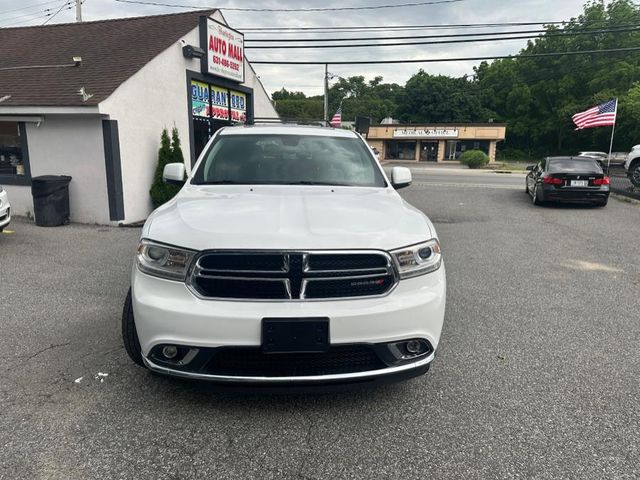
<point x="534" y="96"/>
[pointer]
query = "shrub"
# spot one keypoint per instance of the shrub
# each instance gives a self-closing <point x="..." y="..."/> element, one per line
<point x="474" y="158"/>
<point x="170" y="152"/>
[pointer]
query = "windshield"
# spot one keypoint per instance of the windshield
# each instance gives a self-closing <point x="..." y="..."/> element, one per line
<point x="288" y="160"/>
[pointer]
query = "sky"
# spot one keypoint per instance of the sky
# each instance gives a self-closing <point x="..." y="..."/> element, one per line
<point x="309" y="79"/>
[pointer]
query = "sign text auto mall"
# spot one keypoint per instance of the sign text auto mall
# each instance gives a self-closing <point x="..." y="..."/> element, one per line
<point x="225" y="51"/>
<point x="425" y="133"/>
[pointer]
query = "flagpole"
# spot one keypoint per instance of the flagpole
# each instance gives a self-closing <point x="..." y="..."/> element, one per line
<point x="613" y="131"/>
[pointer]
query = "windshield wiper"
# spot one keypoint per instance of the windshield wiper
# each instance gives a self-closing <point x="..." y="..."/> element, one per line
<point x="309" y="182"/>
<point x="222" y="182"/>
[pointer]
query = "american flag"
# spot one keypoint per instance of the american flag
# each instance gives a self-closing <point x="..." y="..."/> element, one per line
<point x="336" y="120"/>
<point x="599" y="116"/>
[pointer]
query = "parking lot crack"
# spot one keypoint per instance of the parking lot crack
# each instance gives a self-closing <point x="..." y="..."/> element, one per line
<point x="50" y="347"/>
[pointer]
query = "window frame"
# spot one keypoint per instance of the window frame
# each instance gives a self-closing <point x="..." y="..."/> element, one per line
<point x="23" y="180"/>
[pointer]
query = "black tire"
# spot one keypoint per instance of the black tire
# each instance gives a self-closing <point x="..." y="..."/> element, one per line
<point x="603" y="203"/>
<point x="526" y="187"/>
<point x="634" y="174"/>
<point x="129" y="334"/>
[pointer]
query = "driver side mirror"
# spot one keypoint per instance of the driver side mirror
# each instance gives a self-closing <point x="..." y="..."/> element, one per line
<point x="174" y="173"/>
<point x="530" y="167"/>
<point x="400" y="177"/>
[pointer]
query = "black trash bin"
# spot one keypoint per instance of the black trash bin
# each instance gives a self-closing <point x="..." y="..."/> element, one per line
<point x="51" y="200"/>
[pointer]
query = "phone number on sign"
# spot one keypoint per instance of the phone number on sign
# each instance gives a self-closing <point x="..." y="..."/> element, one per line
<point x="225" y="62"/>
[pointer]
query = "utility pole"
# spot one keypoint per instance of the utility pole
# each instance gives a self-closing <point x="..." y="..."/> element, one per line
<point x="78" y="10"/>
<point x="326" y="93"/>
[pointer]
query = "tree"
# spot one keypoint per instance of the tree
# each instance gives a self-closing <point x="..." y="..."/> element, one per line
<point x="440" y="99"/>
<point x="538" y="96"/>
<point x="162" y="192"/>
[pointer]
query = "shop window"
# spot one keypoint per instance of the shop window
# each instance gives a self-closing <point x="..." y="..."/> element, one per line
<point x="14" y="162"/>
<point x="455" y="148"/>
<point x="400" y="150"/>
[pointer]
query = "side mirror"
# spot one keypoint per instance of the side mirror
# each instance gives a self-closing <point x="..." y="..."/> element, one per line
<point x="174" y="173"/>
<point x="400" y="177"/>
<point x="530" y="167"/>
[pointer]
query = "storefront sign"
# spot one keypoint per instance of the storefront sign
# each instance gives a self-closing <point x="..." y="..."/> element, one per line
<point x="425" y="133"/>
<point x="199" y="99"/>
<point x="219" y="103"/>
<point x="238" y="106"/>
<point x="225" y="51"/>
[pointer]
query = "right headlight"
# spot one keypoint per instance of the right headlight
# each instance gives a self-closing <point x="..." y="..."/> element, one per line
<point x="163" y="261"/>
<point x="418" y="259"/>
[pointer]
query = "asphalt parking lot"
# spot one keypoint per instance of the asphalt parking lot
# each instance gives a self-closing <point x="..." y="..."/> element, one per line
<point x="536" y="374"/>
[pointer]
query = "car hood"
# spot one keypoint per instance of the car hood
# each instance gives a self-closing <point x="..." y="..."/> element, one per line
<point x="287" y="217"/>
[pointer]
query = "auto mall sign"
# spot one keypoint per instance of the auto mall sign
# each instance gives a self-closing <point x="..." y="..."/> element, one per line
<point x="425" y="133"/>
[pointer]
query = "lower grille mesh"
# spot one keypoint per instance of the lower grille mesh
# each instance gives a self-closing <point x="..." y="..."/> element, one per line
<point x="252" y="362"/>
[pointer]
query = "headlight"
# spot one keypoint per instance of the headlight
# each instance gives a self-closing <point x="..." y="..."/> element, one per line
<point x="418" y="259"/>
<point x="163" y="261"/>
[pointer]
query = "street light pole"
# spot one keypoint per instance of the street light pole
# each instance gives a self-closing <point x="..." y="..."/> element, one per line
<point x="78" y="10"/>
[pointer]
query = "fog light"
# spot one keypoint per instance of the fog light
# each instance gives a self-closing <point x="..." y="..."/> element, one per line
<point x="414" y="346"/>
<point x="170" y="351"/>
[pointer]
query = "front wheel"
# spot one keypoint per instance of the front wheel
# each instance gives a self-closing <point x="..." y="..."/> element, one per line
<point x="634" y="174"/>
<point x="526" y="187"/>
<point x="129" y="334"/>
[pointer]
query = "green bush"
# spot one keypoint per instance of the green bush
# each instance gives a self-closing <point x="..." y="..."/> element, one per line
<point x="474" y="158"/>
<point x="170" y="152"/>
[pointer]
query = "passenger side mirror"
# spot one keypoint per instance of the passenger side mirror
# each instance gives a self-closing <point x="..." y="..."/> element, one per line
<point x="174" y="173"/>
<point x="530" y="167"/>
<point x="400" y="177"/>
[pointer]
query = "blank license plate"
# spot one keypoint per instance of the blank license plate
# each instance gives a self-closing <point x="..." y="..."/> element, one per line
<point x="579" y="183"/>
<point x="288" y="335"/>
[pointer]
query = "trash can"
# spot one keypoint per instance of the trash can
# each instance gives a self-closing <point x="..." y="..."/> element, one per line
<point x="51" y="200"/>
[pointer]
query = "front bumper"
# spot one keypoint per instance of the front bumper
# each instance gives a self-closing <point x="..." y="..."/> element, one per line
<point x="167" y="312"/>
<point x="390" y="374"/>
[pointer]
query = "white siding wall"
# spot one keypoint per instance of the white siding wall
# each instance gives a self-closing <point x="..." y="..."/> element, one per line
<point x="68" y="145"/>
<point x="152" y="99"/>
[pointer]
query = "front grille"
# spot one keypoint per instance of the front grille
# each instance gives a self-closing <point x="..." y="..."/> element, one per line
<point x="252" y="362"/>
<point x="292" y="275"/>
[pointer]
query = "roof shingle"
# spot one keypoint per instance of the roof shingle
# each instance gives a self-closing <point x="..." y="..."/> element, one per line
<point x="111" y="51"/>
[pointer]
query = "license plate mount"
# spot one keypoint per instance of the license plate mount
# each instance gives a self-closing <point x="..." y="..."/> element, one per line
<point x="579" y="183"/>
<point x="295" y="335"/>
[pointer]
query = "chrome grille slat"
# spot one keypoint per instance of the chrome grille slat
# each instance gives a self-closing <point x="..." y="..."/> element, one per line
<point x="373" y="275"/>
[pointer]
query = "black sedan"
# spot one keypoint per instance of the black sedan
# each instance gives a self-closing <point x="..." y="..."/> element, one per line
<point x="568" y="179"/>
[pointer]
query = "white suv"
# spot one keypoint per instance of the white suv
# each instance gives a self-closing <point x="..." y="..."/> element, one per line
<point x="287" y="258"/>
<point x="5" y="210"/>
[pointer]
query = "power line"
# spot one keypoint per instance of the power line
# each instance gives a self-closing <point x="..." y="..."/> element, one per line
<point x="452" y="35"/>
<point x="400" y="27"/>
<point x="30" y="16"/>
<point x="51" y="16"/>
<point x="403" y="44"/>
<point x="323" y="9"/>
<point x="28" y="7"/>
<point x="438" y="60"/>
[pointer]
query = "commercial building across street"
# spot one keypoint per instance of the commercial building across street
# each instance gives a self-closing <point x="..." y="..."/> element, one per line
<point x="434" y="142"/>
<point x="90" y="100"/>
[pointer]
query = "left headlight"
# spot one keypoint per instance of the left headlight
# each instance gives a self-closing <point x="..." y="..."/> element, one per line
<point x="163" y="261"/>
<point x="418" y="259"/>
